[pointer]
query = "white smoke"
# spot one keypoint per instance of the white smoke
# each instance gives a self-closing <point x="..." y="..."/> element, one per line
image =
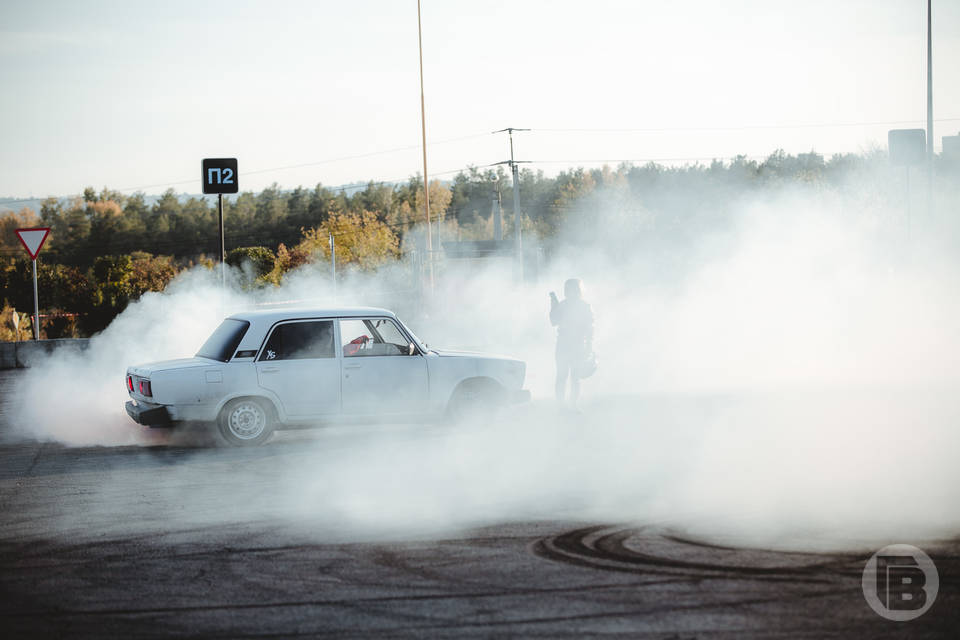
<point x="792" y="381"/>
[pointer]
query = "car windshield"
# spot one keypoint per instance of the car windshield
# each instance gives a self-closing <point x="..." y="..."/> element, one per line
<point x="413" y="335"/>
<point x="224" y="341"/>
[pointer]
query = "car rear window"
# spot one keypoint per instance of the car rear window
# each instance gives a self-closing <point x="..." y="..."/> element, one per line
<point x="224" y="341"/>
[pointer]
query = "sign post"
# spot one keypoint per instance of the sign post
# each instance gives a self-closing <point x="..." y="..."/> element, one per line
<point x="32" y="240"/>
<point x="219" y="176"/>
<point x="15" y="321"/>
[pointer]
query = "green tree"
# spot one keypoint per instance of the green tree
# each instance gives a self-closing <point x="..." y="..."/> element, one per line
<point x="255" y="263"/>
<point x="61" y="288"/>
<point x="149" y="273"/>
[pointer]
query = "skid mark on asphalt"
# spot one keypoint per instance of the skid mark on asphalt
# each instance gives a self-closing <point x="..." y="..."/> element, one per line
<point x="647" y="550"/>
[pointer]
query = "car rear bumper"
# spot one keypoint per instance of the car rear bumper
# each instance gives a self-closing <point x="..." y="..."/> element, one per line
<point x="155" y="417"/>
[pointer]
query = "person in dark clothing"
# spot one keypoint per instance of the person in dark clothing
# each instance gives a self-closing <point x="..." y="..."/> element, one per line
<point x="574" y="321"/>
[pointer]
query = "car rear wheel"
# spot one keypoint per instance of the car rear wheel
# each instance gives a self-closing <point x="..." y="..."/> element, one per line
<point x="245" y="422"/>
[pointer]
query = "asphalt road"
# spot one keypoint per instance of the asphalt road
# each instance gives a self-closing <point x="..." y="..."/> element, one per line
<point x="187" y="540"/>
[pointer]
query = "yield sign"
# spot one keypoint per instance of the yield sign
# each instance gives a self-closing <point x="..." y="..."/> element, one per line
<point x="33" y="239"/>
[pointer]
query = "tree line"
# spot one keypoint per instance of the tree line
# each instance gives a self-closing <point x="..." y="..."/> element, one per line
<point x="107" y="248"/>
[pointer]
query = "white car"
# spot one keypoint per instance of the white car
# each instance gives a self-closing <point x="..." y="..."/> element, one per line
<point x="282" y="369"/>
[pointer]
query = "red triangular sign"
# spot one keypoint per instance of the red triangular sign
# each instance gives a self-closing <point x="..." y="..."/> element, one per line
<point x="33" y="239"/>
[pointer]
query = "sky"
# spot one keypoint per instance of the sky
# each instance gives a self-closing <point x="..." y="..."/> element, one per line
<point x="133" y="95"/>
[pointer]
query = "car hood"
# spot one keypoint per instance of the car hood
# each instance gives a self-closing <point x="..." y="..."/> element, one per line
<point x="144" y="370"/>
<point x="446" y="353"/>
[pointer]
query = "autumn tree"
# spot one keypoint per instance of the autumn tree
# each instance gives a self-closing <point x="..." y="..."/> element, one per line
<point x="9" y="223"/>
<point x="408" y="205"/>
<point x="361" y="240"/>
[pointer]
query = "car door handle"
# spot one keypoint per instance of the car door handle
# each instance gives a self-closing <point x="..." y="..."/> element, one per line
<point x="270" y="370"/>
<point x="351" y="366"/>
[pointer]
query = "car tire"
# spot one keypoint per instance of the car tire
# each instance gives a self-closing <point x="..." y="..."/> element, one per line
<point x="246" y="422"/>
<point x="475" y="400"/>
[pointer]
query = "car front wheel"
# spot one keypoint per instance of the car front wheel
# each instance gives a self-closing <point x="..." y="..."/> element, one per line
<point x="475" y="400"/>
<point x="245" y="422"/>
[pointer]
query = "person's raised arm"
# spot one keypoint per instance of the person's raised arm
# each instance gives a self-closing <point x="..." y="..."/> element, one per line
<point x="554" y="309"/>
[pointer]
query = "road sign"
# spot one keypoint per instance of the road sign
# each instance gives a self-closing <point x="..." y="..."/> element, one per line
<point x="33" y="239"/>
<point x="220" y="175"/>
<point x="907" y="146"/>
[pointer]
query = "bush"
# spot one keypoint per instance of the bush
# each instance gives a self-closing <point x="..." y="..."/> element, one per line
<point x="255" y="263"/>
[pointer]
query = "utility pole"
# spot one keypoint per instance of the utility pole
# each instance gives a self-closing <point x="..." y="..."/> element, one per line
<point x="929" y="113"/>
<point x="517" y="216"/>
<point x="496" y="210"/>
<point x="423" y="131"/>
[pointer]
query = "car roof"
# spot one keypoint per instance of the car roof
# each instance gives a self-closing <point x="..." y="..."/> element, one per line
<point x="261" y="320"/>
<point x="288" y="313"/>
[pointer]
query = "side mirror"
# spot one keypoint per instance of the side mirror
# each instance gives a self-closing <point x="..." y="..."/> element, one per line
<point x="411" y="349"/>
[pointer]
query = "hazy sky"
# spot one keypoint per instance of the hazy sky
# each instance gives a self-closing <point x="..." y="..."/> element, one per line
<point x="134" y="94"/>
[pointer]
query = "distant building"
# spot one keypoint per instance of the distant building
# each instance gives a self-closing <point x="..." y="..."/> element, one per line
<point x="951" y="148"/>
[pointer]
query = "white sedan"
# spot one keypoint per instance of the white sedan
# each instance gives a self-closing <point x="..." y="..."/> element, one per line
<point x="281" y="369"/>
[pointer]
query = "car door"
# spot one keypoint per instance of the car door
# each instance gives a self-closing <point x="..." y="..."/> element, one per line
<point x="299" y="364"/>
<point x="380" y="375"/>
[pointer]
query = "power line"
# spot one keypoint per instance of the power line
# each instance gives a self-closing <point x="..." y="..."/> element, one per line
<point x="803" y="125"/>
<point x="319" y="163"/>
<point x="366" y="155"/>
<point x="807" y="125"/>
<point x="646" y="160"/>
<point x="271" y="169"/>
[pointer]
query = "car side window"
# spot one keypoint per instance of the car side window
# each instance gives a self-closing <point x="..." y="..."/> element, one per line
<point x="372" y="337"/>
<point x="300" y="340"/>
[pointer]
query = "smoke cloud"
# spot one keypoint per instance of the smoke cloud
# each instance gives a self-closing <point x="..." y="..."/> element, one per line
<point x="784" y="375"/>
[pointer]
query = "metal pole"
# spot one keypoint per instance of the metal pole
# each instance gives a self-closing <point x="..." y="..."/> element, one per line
<point x="517" y="217"/>
<point x="497" y="215"/>
<point x="423" y="131"/>
<point x="929" y="113"/>
<point x="36" y="304"/>
<point x="333" y="265"/>
<point x="223" y="253"/>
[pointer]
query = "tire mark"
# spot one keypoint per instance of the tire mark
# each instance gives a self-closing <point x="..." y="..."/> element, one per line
<point x="604" y="547"/>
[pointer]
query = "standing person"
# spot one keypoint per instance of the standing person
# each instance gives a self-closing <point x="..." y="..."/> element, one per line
<point x="574" y="321"/>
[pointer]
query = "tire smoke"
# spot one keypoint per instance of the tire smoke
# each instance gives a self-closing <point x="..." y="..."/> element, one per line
<point x="788" y="376"/>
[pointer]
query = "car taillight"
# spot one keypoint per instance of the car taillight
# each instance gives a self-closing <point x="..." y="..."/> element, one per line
<point x="145" y="388"/>
<point x="130" y="383"/>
